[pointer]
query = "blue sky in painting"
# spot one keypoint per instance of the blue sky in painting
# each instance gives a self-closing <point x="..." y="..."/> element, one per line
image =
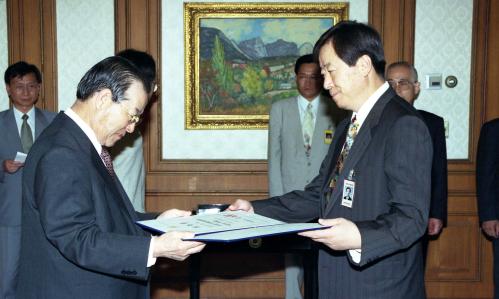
<point x="298" y="30"/>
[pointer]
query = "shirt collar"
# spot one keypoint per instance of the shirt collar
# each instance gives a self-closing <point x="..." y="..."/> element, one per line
<point x="303" y="103"/>
<point x="85" y="128"/>
<point x="31" y="113"/>
<point x="369" y="104"/>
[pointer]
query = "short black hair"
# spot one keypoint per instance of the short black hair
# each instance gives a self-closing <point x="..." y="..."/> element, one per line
<point x="405" y="64"/>
<point x="351" y="40"/>
<point x="309" y="58"/>
<point x="20" y="69"/>
<point x="114" y="73"/>
<point x="143" y="61"/>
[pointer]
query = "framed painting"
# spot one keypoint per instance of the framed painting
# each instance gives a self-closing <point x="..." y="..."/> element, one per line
<point x="239" y="58"/>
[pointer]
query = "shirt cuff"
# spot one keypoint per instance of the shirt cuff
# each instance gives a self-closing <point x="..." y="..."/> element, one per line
<point x="355" y="254"/>
<point x="150" y="259"/>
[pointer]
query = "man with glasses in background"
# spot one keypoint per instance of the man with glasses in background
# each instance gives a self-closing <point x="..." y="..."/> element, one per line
<point x="19" y="127"/>
<point x="403" y="78"/>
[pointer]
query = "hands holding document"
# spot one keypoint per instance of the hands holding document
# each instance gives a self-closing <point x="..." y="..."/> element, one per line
<point x="342" y="234"/>
<point x="171" y="244"/>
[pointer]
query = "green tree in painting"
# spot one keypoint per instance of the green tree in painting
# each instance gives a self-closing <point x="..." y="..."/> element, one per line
<point x="252" y="83"/>
<point x="208" y="87"/>
<point x="224" y="75"/>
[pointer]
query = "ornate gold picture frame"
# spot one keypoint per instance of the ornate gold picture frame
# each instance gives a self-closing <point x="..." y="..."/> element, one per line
<point x="239" y="58"/>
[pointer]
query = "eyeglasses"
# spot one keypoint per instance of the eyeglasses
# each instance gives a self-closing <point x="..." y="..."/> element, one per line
<point x="29" y="87"/>
<point x="402" y="83"/>
<point x="134" y="119"/>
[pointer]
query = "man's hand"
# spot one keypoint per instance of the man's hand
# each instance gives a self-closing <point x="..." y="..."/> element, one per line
<point x="11" y="166"/>
<point x="342" y="235"/>
<point x="173" y="213"/>
<point x="171" y="245"/>
<point x="434" y="226"/>
<point x="241" y="204"/>
<point x="491" y="228"/>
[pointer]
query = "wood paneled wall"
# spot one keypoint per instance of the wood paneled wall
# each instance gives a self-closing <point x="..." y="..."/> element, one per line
<point x="460" y="260"/>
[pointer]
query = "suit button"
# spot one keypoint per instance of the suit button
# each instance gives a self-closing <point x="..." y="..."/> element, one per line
<point x="309" y="163"/>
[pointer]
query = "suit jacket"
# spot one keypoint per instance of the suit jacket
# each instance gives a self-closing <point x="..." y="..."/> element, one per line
<point x="289" y="167"/>
<point x="487" y="171"/>
<point x="10" y="183"/>
<point x="438" y="203"/>
<point x="390" y="162"/>
<point x="79" y="239"/>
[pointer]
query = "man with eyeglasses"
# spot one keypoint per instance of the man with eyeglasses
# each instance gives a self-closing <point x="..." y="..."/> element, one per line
<point x="128" y="153"/>
<point x="403" y="78"/>
<point x="300" y="131"/>
<point x="79" y="237"/>
<point x="19" y="127"/>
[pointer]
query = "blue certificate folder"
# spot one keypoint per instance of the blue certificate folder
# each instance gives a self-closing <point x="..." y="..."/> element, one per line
<point x="228" y="226"/>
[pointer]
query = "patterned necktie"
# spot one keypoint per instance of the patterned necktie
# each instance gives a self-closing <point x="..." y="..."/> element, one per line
<point x="308" y="129"/>
<point x="106" y="157"/>
<point x="26" y="134"/>
<point x="351" y="134"/>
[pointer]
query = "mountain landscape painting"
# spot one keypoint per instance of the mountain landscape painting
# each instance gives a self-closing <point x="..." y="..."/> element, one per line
<point x="245" y="64"/>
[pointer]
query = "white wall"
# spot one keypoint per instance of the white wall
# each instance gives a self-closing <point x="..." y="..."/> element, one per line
<point x="85" y="35"/>
<point x="443" y="45"/>
<point x="179" y="143"/>
<point x="4" y="54"/>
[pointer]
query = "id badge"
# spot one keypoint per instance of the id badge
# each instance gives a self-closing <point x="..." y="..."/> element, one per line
<point x="328" y="136"/>
<point x="348" y="193"/>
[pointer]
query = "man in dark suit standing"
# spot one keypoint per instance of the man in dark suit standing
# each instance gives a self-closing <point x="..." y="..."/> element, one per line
<point x="79" y="237"/>
<point x="487" y="182"/>
<point x="383" y="153"/>
<point x="19" y="127"/>
<point x="403" y="78"/>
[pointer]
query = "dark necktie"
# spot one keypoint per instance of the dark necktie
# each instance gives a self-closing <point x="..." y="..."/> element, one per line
<point x="106" y="157"/>
<point x="26" y="134"/>
<point x="351" y="134"/>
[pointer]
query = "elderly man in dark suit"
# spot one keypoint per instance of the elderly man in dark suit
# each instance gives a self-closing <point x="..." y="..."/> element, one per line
<point x="19" y="126"/>
<point x="79" y="237"/>
<point x="403" y="78"/>
<point x="487" y="182"/>
<point x="383" y="153"/>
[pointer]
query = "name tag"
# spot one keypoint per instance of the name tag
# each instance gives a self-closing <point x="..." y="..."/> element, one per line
<point x="328" y="136"/>
<point x="348" y="193"/>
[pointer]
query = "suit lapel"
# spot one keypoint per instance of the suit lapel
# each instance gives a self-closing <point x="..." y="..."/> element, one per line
<point x="296" y="128"/>
<point x="360" y="144"/>
<point x="322" y="123"/>
<point x="114" y="185"/>
<point x="11" y="126"/>
<point x="342" y="130"/>
<point x="41" y="122"/>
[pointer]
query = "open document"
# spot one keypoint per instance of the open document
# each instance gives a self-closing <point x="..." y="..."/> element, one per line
<point x="227" y="226"/>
